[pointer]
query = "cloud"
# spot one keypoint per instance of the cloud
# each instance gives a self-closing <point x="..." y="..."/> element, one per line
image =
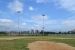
<point x="66" y="4"/>
<point x="16" y="6"/>
<point x="31" y="8"/>
<point x="5" y="22"/>
<point x="42" y="1"/>
<point x="55" y="24"/>
<point x="48" y="23"/>
<point x="10" y="25"/>
<point x="24" y="24"/>
<point x="40" y="17"/>
<point x="36" y="22"/>
<point x="69" y="22"/>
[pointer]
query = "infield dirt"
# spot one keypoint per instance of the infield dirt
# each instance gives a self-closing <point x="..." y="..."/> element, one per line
<point x="46" y="45"/>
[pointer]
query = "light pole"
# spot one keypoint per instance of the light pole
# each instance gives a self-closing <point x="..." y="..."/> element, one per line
<point x="43" y="24"/>
<point x="18" y="12"/>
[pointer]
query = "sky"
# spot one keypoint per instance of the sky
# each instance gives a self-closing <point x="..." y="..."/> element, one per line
<point x="27" y="14"/>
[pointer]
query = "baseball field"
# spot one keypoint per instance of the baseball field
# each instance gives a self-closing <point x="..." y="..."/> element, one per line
<point x="22" y="42"/>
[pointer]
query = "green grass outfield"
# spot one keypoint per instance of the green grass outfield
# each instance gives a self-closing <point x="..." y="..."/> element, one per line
<point x="21" y="42"/>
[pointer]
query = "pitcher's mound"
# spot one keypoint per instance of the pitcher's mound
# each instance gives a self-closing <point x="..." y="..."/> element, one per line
<point x="45" y="45"/>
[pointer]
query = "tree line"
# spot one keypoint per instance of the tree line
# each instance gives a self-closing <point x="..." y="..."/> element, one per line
<point x="45" y="33"/>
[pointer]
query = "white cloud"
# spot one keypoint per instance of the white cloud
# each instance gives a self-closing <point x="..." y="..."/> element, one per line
<point x="69" y="23"/>
<point x="16" y="6"/>
<point x="66" y="4"/>
<point x="48" y="23"/>
<point x="6" y="22"/>
<point x="31" y="8"/>
<point x="24" y="24"/>
<point x="36" y="22"/>
<point x="42" y="1"/>
<point x="63" y="25"/>
<point x="40" y="18"/>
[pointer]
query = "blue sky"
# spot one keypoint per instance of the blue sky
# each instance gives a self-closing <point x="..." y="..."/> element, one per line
<point x="59" y="15"/>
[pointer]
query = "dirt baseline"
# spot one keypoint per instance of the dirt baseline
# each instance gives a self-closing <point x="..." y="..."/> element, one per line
<point x="45" y="45"/>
